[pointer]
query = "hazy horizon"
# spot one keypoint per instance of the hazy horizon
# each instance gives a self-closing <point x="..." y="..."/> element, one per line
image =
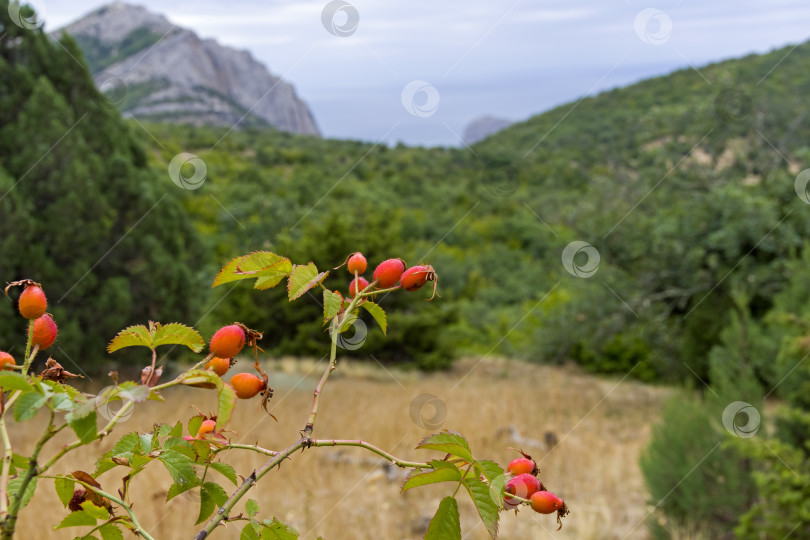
<point x="511" y="61"/>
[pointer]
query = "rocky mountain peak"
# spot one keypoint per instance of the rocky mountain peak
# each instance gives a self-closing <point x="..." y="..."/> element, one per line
<point x="159" y="71"/>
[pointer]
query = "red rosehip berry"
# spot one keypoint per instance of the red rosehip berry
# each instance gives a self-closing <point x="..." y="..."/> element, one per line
<point x="247" y="385"/>
<point x="357" y="285"/>
<point x="522" y="466"/>
<point x="44" y="333"/>
<point x="388" y="273"/>
<point x="6" y="360"/>
<point x="206" y="427"/>
<point x="218" y="365"/>
<point x="522" y="485"/>
<point x="228" y="341"/>
<point x="414" y="277"/>
<point x="546" y="502"/>
<point x="357" y="263"/>
<point x="32" y="302"/>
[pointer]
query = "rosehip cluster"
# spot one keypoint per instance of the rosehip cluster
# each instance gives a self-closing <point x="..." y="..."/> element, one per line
<point x="32" y="305"/>
<point x="391" y="273"/>
<point x="525" y="484"/>
<point x="225" y="344"/>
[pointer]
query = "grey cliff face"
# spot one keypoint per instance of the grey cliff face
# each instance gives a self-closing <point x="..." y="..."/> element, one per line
<point x="171" y="74"/>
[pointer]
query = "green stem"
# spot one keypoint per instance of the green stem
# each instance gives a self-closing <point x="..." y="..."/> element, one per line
<point x="256" y="449"/>
<point x="29" y="359"/>
<point x="368" y="446"/>
<point x="28" y="346"/>
<point x="463" y="476"/>
<point x="132" y="518"/>
<point x="329" y="369"/>
<point x="248" y="483"/>
<point x="10" y="520"/>
<point x="378" y="291"/>
<point x="7" y="454"/>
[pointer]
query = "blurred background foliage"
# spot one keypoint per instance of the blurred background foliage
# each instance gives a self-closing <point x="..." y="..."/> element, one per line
<point x="686" y="190"/>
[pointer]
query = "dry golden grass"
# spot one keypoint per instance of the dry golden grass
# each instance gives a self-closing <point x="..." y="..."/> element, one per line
<point x="344" y="493"/>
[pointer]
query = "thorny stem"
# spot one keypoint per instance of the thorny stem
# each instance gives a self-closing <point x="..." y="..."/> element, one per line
<point x="248" y="483"/>
<point x="318" y="389"/>
<point x="337" y="326"/>
<point x="278" y="457"/>
<point x="368" y="446"/>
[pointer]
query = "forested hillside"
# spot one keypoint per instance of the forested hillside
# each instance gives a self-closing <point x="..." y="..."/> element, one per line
<point x="684" y="184"/>
<point x="80" y="210"/>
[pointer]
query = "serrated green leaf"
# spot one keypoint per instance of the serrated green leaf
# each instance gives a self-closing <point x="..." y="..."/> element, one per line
<point x="11" y="380"/>
<point x="202" y="448"/>
<point x="199" y="376"/>
<point x="157" y="334"/>
<point x="139" y="393"/>
<point x="77" y="519"/>
<point x="62" y="402"/>
<point x="217" y="493"/>
<point x="441" y="472"/>
<point x="27" y="405"/>
<point x="94" y="511"/>
<point x="347" y="321"/>
<point x="248" y="532"/>
<point x="20" y="461"/>
<point x="177" y="430"/>
<point x="178" y="334"/>
<point x="138" y="460"/>
<point x="448" y="442"/>
<point x="268" y="278"/>
<point x="174" y="491"/>
<point x="489" y="469"/>
<point x="194" y="424"/>
<point x="378" y="313"/>
<point x="64" y="489"/>
<point x="132" y="336"/>
<point x="302" y="278"/>
<point x="445" y="524"/>
<point x="163" y="430"/>
<point x="488" y="508"/>
<point x="14" y="486"/>
<point x="83" y="406"/>
<point x="268" y="269"/>
<point x="277" y="530"/>
<point x="225" y="470"/>
<point x="110" y="532"/>
<point x="207" y="506"/>
<point x="181" y="469"/>
<point x="251" y="507"/>
<point x="104" y="464"/>
<point x="145" y="442"/>
<point x="331" y="304"/>
<point x="85" y="427"/>
<point x="226" y="402"/>
<point x="127" y="443"/>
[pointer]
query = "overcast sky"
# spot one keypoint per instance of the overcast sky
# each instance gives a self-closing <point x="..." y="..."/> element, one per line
<point x="506" y="58"/>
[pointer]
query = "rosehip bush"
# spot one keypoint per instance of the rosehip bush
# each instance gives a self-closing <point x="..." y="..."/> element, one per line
<point x="191" y="452"/>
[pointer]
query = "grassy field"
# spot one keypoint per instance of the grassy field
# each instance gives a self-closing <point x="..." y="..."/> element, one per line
<point x="600" y="425"/>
